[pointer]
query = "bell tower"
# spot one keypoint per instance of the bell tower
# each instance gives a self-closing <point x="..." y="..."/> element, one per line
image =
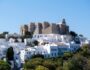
<point x="63" y="21"/>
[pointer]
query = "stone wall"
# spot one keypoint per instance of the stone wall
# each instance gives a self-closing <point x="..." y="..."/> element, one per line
<point x="31" y="27"/>
<point x="23" y="29"/>
<point x="46" y="28"/>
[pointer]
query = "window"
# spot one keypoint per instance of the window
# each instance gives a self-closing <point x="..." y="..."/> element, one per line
<point x="45" y="55"/>
<point x="44" y="52"/>
<point x="48" y="56"/>
<point x="38" y="36"/>
<point x="55" y="54"/>
<point x="45" y="35"/>
<point x="53" y="49"/>
<point x="52" y="54"/>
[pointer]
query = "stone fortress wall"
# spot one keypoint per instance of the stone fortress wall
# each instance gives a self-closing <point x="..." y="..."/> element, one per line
<point x="45" y="28"/>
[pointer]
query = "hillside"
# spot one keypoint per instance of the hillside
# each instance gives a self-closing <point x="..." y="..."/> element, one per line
<point x="79" y="60"/>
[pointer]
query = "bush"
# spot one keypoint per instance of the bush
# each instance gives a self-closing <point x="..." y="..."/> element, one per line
<point x="4" y="66"/>
<point x="67" y="55"/>
<point x="33" y="63"/>
<point x="79" y="60"/>
<point x="51" y="65"/>
<point x="37" y="56"/>
<point x="41" y="68"/>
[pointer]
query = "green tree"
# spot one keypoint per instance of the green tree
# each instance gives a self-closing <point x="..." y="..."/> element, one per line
<point x="71" y="65"/>
<point x="33" y="63"/>
<point x="35" y="42"/>
<point x="88" y="64"/>
<point x="81" y="35"/>
<point x="2" y="36"/>
<point x="85" y="50"/>
<point x="67" y="65"/>
<point x="4" y="33"/>
<point x="59" y="68"/>
<point x="51" y="65"/>
<point x="4" y="65"/>
<point x="79" y="61"/>
<point x="37" y="56"/>
<point x="28" y="35"/>
<point x="59" y="62"/>
<point x="41" y="68"/>
<point x="10" y="54"/>
<point x="73" y="34"/>
<point x="67" y="55"/>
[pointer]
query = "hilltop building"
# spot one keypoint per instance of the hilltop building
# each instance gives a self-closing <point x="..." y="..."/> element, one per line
<point x="23" y="29"/>
<point x="46" y="28"/>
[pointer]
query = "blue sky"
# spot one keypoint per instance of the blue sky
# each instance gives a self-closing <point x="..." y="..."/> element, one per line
<point x="14" y="13"/>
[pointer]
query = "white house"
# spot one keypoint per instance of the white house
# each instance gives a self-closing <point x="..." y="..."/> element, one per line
<point x="55" y="45"/>
<point x="52" y="37"/>
<point x="84" y="40"/>
<point x="48" y="50"/>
